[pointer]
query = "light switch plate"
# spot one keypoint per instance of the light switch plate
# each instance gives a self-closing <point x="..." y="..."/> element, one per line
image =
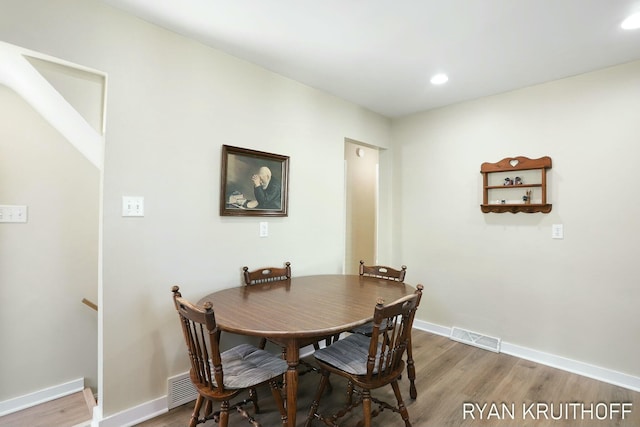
<point x="132" y="206"/>
<point x="13" y="213"/>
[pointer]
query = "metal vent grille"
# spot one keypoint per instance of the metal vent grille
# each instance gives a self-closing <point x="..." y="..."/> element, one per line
<point x="475" y="339"/>
<point x="181" y="390"/>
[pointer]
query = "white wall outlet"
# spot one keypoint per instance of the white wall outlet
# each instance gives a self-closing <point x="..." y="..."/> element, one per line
<point x="557" y="231"/>
<point x="132" y="206"/>
<point x="13" y="213"/>
<point x="264" y="229"/>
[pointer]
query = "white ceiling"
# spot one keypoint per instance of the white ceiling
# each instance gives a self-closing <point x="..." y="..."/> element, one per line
<point x="381" y="53"/>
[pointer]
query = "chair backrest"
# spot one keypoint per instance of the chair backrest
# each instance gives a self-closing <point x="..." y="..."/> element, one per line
<point x="383" y="272"/>
<point x="392" y="325"/>
<point x="202" y="337"/>
<point x="266" y="274"/>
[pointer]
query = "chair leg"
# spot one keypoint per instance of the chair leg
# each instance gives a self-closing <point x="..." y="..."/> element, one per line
<point x="275" y="390"/>
<point x="411" y="371"/>
<point x="224" y="414"/>
<point x="366" y="407"/>
<point x="196" y="412"/>
<point x="401" y="407"/>
<point x="316" y="400"/>
<point x="208" y="408"/>
<point x="253" y="396"/>
<point x="263" y="343"/>
<point x="349" y="393"/>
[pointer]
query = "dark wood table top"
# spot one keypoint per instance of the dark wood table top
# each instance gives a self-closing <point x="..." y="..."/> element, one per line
<point x="302" y="307"/>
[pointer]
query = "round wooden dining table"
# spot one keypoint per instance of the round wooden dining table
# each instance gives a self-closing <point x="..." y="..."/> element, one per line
<point x="300" y="311"/>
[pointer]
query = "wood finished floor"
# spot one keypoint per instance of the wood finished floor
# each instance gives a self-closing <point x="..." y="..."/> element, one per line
<point x="450" y="374"/>
<point x="68" y="411"/>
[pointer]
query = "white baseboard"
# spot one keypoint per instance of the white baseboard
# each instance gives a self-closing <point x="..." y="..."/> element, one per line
<point x="135" y="415"/>
<point x="432" y="327"/>
<point x="574" y="366"/>
<point x="41" y="396"/>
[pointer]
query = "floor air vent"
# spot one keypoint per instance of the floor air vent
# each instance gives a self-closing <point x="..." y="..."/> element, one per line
<point x="180" y="390"/>
<point x="475" y="339"/>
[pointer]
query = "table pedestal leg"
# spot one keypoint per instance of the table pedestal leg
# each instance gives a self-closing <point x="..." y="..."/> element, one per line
<point x="293" y="359"/>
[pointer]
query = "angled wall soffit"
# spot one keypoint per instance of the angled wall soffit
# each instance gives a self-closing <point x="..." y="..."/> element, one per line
<point x="20" y="75"/>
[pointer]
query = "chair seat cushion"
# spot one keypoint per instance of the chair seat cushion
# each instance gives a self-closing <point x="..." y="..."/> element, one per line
<point x="246" y="365"/>
<point x="367" y="328"/>
<point x="349" y="354"/>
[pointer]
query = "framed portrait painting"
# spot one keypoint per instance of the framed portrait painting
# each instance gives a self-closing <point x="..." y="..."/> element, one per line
<point x="253" y="183"/>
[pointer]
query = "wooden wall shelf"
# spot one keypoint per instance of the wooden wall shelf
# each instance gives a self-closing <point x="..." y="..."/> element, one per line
<point x="493" y="192"/>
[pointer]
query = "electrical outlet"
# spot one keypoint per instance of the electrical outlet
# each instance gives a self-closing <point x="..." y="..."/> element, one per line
<point x="557" y="231"/>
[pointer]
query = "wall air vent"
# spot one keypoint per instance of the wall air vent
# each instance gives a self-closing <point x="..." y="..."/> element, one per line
<point x="180" y="390"/>
<point x="475" y="339"/>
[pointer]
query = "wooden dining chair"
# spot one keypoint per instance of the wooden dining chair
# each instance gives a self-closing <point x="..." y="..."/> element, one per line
<point x="392" y="275"/>
<point x="220" y="377"/>
<point x="369" y="363"/>
<point x="383" y="272"/>
<point x="266" y="274"/>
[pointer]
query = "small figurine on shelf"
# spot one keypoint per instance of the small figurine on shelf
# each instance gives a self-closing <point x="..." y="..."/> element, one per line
<point x="518" y="181"/>
<point x="527" y="197"/>
<point x="508" y="181"/>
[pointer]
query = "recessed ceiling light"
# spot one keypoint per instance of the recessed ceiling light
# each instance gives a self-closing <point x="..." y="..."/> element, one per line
<point x="439" y="79"/>
<point x="632" y="22"/>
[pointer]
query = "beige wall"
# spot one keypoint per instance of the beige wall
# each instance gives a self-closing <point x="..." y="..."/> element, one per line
<point x="49" y="264"/>
<point x="172" y="103"/>
<point x="502" y="274"/>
